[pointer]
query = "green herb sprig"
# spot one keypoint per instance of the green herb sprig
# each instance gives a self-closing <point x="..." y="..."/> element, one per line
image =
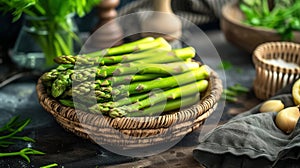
<point x="52" y="9"/>
<point x="23" y="153"/>
<point x="230" y="94"/>
<point x="53" y="17"/>
<point x="225" y="65"/>
<point x="50" y="165"/>
<point x="8" y="136"/>
<point x="284" y="17"/>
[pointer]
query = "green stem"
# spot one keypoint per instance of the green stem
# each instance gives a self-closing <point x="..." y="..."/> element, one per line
<point x="50" y="165"/>
<point x="5" y="144"/>
<point x="170" y="68"/>
<point x="166" y="107"/>
<point x="23" y="153"/>
<point x="126" y="79"/>
<point x="239" y="88"/>
<point x="64" y="47"/>
<point x="172" y="94"/>
<point x="10" y="124"/>
<point x="156" y="55"/>
<point x="131" y="57"/>
<point x="16" y="131"/>
<point x="129" y="47"/>
<point x="133" y="68"/>
<point x="29" y="13"/>
<point x="157" y="97"/>
<point x="176" y="55"/>
<point x="169" y="82"/>
<point x="61" y="83"/>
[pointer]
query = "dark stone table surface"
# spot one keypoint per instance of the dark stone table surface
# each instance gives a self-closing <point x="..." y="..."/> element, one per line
<point x="68" y="150"/>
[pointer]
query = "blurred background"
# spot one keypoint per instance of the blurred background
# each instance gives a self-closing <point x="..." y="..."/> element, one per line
<point x="9" y="30"/>
<point x="204" y="13"/>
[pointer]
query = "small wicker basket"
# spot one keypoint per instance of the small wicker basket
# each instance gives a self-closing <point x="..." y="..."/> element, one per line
<point x="272" y="77"/>
<point x="101" y="129"/>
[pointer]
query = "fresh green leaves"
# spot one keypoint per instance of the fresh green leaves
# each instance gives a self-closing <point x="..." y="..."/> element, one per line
<point x="230" y="94"/>
<point x="8" y="136"/>
<point x="9" y="130"/>
<point x="52" y="9"/>
<point x="23" y="153"/>
<point x="17" y="7"/>
<point x="225" y="65"/>
<point x="84" y="6"/>
<point x="53" y="17"/>
<point x="284" y="17"/>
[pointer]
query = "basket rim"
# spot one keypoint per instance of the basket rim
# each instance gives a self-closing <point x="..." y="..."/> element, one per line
<point x="207" y="102"/>
<point x="259" y="60"/>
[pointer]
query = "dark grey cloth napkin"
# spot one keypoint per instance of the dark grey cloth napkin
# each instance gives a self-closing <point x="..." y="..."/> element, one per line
<point x="251" y="139"/>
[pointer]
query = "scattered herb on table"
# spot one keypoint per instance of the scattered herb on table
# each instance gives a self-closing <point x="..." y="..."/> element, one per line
<point x="23" y="153"/>
<point x="8" y="136"/>
<point x="284" y="16"/>
<point x="230" y="94"/>
<point x="50" y="165"/>
<point x="226" y="65"/>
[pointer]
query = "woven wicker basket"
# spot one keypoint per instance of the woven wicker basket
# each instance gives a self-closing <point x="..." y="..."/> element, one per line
<point x="271" y="77"/>
<point x="148" y="130"/>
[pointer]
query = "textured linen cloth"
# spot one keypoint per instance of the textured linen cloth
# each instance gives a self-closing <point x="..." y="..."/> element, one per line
<point x="251" y="139"/>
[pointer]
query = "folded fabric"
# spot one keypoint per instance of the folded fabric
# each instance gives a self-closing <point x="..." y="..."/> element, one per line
<point x="251" y="139"/>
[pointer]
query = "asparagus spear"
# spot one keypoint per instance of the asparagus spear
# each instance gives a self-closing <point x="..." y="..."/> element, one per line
<point x="105" y="107"/>
<point x="105" y="87"/>
<point x="53" y="74"/>
<point x="170" y="68"/>
<point x="65" y="79"/>
<point x="48" y="77"/>
<point x="168" y="82"/>
<point x="159" y="55"/>
<point x="117" y="80"/>
<point x="132" y="68"/>
<point x="141" y="101"/>
<point x="176" y="55"/>
<point x="172" y="94"/>
<point x="106" y="84"/>
<point x="166" y="107"/>
<point x="139" y="45"/>
<point x="104" y="71"/>
<point x="144" y="86"/>
<point x="84" y="60"/>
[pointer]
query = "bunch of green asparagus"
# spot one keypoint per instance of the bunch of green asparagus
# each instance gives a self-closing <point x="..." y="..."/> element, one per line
<point x="141" y="78"/>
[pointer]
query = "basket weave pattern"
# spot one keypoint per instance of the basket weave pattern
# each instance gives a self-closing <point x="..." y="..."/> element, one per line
<point x="102" y="129"/>
<point x="269" y="77"/>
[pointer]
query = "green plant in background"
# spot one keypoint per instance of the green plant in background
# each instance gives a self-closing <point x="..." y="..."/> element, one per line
<point x="55" y="36"/>
<point x="50" y="165"/>
<point x="284" y="16"/>
<point x="230" y="94"/>
<point x="8" y="136"/>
